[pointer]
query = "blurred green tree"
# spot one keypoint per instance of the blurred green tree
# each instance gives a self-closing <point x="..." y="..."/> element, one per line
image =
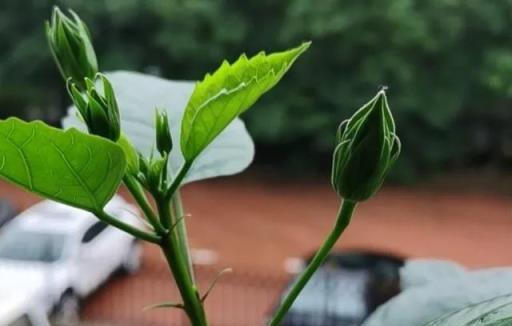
<point x="448" y="64"/>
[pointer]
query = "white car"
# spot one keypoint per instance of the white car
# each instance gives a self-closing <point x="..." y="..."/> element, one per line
<point x="21" y="306"/>
<point x="66" y="252"/>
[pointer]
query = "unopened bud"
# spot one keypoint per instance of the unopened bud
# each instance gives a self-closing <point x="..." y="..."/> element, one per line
<point x="155" y="172"/>
<point x="99" y="111"/>
<point x="366" y="147"/>
<point x="71" y="47"/>
<point x="163" y="134"/>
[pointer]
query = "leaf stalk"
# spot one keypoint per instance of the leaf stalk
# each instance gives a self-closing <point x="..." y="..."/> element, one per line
<point x="136" y="232"/>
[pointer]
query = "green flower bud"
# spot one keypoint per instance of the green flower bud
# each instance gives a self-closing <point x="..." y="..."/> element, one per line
<point x="163" y="134"/>
<point x="366" y="147"/>
<point x="142" y="175"/>
<point x="98" y="110"/>
<point x="155" y="173"/>
<point x="71" y="47"/>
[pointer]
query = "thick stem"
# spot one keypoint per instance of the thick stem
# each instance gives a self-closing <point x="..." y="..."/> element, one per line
<point x="179" y="267"/>
<point x="342" y="222"/>
<point x="181" y="230"/>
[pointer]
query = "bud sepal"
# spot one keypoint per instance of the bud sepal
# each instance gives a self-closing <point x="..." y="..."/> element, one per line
<point x="99" y="111"/>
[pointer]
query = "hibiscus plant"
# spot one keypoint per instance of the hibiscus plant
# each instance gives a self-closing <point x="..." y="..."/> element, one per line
<point x="153" y="136"/>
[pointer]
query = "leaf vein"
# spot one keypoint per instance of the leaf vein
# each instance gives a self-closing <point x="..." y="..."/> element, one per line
<point x="75" y="174"/>
<point x="25" y="162"/>
<point x="29" y="138"/>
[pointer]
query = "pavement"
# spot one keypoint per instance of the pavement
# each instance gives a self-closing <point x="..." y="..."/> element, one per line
<point x="257" y="225"/>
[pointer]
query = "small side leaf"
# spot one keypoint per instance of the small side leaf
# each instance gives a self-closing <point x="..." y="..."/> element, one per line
<point x="71" y="167"/>
<point x="227" y="93"/>
<point x="215" y="280"/>
<point x="162" y="305"/>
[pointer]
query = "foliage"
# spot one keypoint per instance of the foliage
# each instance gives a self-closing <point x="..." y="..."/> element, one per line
<point x="232" y="89"/>
<point x="448" y="65"/>
<point x="493" y="312"/>
<point x="84" y="171"/>
<point x="68" y="166"/>
<point x="432" y="289"/>
<point x="230" y="153"/>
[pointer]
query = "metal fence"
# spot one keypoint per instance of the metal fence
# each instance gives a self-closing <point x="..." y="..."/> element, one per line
<point x="238" y="299"/>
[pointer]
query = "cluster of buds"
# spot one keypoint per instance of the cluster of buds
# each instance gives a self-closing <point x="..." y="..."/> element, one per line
<point x="93" y="95"/>
<point x="98" y="109"/>
<point x="153" y="171"/>
<point x="71" y="47"/>
<point x="366" y="147"/>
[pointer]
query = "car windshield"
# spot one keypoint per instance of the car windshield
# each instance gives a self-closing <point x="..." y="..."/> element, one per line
<point x="28" y="245"/>
<point x="334" y="292"/>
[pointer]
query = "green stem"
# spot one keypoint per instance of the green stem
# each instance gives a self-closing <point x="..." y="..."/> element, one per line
<point x="136" y="232"/>
<point x="342" y="221"/>
<point x="140" y="197"/>
<point x="170" y="245"/>
<point x="176" y="183"/>
<point x="181" y="230"/>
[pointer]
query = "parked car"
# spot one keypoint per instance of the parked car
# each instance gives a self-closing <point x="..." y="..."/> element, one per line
<point x="6" y="211"/>
<point x="21" y="305"/>
<point x="67" y="250"/>
<point x="346" y="289"/>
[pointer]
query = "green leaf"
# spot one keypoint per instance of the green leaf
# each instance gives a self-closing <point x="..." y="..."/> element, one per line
<point x="67" y="166"/>
<point x="226" y="94"/>
<point x="132" y="158"/>
<point x="493" y="312"/>
<point x="432" y="288"/>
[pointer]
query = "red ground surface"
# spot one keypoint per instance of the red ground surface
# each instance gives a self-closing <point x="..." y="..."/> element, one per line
<point x="255" y="224"/>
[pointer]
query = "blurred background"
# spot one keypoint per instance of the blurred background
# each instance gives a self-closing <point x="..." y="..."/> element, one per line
<point x="448" y="66"/>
